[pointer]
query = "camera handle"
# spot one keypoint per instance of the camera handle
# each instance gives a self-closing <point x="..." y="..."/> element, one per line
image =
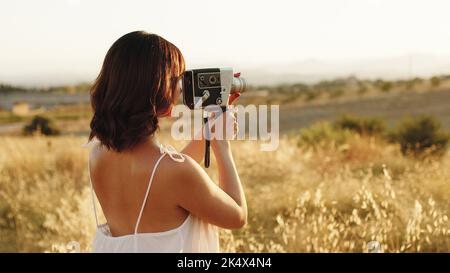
<point x="207" y="142"/>
<point x="208" y="137"/>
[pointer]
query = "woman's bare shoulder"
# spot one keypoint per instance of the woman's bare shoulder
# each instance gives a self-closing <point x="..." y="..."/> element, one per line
<point x="100" y="158"/>
<point x="185" y="173"/>
<point x="96" y="153"/>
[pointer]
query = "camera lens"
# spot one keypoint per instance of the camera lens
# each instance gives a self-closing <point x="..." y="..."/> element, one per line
<point x="212" y="79"/>
<point x="238" y="85"/>
<point x="202" y="78"/>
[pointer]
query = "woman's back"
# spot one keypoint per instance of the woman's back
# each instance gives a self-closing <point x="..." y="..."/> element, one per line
<point x="136" y="198"/>
<point x="120" y="181"/>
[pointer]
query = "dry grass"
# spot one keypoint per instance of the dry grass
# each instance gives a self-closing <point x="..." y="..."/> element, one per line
<point x="328" y="199"/>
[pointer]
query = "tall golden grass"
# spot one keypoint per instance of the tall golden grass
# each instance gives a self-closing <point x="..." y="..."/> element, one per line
<point x="360" y="196"/>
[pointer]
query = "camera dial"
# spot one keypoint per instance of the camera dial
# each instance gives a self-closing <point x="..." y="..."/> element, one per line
<point x="212" y="79"/>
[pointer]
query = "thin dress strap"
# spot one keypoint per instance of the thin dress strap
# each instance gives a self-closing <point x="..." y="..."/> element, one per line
<point x="174" y="155"/>
<point x="93" y="194"/>
<point x="86" y="145"/>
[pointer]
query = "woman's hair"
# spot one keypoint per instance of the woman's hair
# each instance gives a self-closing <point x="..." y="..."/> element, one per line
<point x="136" y="85"/>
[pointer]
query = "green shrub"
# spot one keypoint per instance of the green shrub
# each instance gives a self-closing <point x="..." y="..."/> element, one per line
<point x="336" y="93"/>
<point x="322" y="132"/>
<point x="361" y="125"/>
<point x="311" y="95"/>
<point x="385" y="86"/>
<point x="362" y="89"/>
<point x="411" y="84"/>
<point x="435" y="81"/>
<point x="40" y="125"/>
<point x="421" y="136"/>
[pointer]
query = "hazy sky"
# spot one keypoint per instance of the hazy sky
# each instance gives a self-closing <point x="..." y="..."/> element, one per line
<point x="71" y="37"/>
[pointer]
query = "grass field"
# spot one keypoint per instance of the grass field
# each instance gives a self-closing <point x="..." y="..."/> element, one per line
<point x="351" y="197"/>
<point x="359" y="194"/>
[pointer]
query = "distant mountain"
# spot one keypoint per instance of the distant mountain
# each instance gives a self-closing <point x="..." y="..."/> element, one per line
<point x="310" y="71"/>
<point x="47" y="80"/>
<point x="307" y="71"/>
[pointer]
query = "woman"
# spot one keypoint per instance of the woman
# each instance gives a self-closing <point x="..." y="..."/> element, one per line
<point x="154" y="198"/>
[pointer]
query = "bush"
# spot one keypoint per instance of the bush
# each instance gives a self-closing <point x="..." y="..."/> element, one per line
<point x="411" y="84"/>
<point x="322" y="132"/>
<point x="421" y="136"/>
<point x="361" y="125"/>
<point x="336" y="93"/>
<point x="40" y="125"/>
<point x="435" y="81"/>
<point x="385" y="86"/>
<point x="311" y="95"/>
<point x="362" y="89"/>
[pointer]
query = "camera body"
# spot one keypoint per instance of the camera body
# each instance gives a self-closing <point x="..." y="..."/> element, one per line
<point x="209" y="86"/>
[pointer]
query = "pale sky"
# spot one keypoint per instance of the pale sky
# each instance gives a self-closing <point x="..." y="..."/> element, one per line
<point x="70" y="38"/>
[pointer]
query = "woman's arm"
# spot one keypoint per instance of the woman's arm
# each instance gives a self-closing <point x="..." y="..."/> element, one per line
<point x="224" y="205"/>
<point x="229" y="180"/>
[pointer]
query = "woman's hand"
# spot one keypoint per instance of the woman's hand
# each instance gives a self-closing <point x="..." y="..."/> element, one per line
<point x="228" y="120"/>
<point x="236" y="95"/>
<point x="223" y="127"/>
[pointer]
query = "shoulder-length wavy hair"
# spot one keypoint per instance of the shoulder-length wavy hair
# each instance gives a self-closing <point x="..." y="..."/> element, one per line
<point x="136" y="85"/>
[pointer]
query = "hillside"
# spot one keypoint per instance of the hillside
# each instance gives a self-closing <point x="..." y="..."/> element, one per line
<point x="391" y="107"/>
